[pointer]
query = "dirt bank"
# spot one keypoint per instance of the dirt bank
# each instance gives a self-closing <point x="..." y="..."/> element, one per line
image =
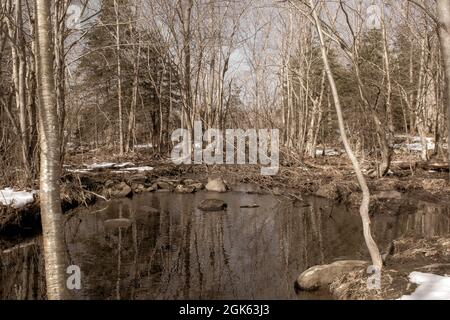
<point x="408" y="255"/>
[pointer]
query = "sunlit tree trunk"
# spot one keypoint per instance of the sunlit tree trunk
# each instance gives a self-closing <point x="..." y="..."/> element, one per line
<point x="51" y="213"/>
<point x="444" y="33"/>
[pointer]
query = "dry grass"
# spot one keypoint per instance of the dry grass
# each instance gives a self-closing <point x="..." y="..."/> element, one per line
<point x="409" y="254"/>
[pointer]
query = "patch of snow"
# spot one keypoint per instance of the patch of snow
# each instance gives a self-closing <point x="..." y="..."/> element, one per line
<point x="139" y="169"/>
<point x="143" y="146"/>
<point x="415" y="145"/>
<point x="16" y="199"/>
<point x="123" y="165"/>
<point x="328" y="152"/>
<point x="431" y="287"/>
<point x="103" y="165"/>
<point x="79" y="170"/>
<point x="115" y="167"/>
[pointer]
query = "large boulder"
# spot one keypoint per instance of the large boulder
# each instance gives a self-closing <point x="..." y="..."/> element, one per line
<point x="212" y="205"/>
<point x="216" y="185"/>
<point x="320" y="276"/>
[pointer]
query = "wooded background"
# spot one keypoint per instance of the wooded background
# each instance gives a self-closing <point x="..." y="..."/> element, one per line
<point x="128" y="73"/>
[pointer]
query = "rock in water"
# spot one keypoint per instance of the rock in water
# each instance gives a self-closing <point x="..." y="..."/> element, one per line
<point x="121" y="190"/>
<point x="212" y="205"/>
<point x="117" y="223"/>
<point x="320" y="276"/>
<point x="216" y="185"/>
<point x="184" y="189"/>
<point x="197" y="186"/>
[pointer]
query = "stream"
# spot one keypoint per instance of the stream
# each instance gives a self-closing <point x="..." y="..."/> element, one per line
<point x="172" y="250"/>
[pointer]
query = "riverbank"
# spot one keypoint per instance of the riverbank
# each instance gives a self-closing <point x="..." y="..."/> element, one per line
<point x="86" y="180"/>
<point x="410" y="258"/>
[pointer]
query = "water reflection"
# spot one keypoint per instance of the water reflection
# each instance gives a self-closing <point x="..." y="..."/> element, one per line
<point x="172" y="250"/>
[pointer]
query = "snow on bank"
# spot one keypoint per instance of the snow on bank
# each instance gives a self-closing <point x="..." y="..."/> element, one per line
<point x="103" y="165"/>
<point x="79" y="170"/>
<point x="133" y="169"/>
<point x="143" y="146"/>
<point x="125" y="167"/>
<point x="328" y="152"/>
<point x="431" y="287"/>
<point x="16" y="199"/>
<point x="138" y="169"/>
<point x="415" y="145"/>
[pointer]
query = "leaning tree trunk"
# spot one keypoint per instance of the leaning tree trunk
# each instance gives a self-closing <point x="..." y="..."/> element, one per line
<point x="444" y="33"/>
<point x="364" y="209"/>
<point x="51" y="213"/>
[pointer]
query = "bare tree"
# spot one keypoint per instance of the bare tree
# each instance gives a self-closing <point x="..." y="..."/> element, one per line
<point x="364" y="209"/>
<point x="51" y="213"/>
<point x="18" y="48"/>
<point x="444" y="33"/>
<point x="119" y="79"/>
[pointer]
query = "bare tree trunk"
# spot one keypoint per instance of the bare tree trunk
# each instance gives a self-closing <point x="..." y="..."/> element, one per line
<point x="51" y="213"/>
<point x="19" y="78"/>
<point x="132" y="117"/>
<point x="32" y="101"/>
<point x="387" y="70"/>
<point x="186" y="17"/>
<point x="364" y="209"/>
<point x="119" y="79"/>
<point x="60" y="8"/>
<point x="444" y="34"/>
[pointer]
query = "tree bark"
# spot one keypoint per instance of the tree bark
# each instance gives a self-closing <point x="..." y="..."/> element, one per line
<point x="51" y="213"/>
<point x="19" y="70"/>
<point x="119" y="79"/>
<point x="444" y="34"/>
<point x="364" y="209"/>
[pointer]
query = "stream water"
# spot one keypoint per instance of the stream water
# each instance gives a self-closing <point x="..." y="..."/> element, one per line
<point x="172" y="250"/>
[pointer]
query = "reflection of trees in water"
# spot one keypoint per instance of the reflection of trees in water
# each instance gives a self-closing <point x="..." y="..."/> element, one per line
<point x="425" y="220"/>
<point x="22" y="275"/>
<point x="180" y="252"/>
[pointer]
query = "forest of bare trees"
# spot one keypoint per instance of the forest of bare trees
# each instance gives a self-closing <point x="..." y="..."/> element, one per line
<point x="128" y="74"/>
